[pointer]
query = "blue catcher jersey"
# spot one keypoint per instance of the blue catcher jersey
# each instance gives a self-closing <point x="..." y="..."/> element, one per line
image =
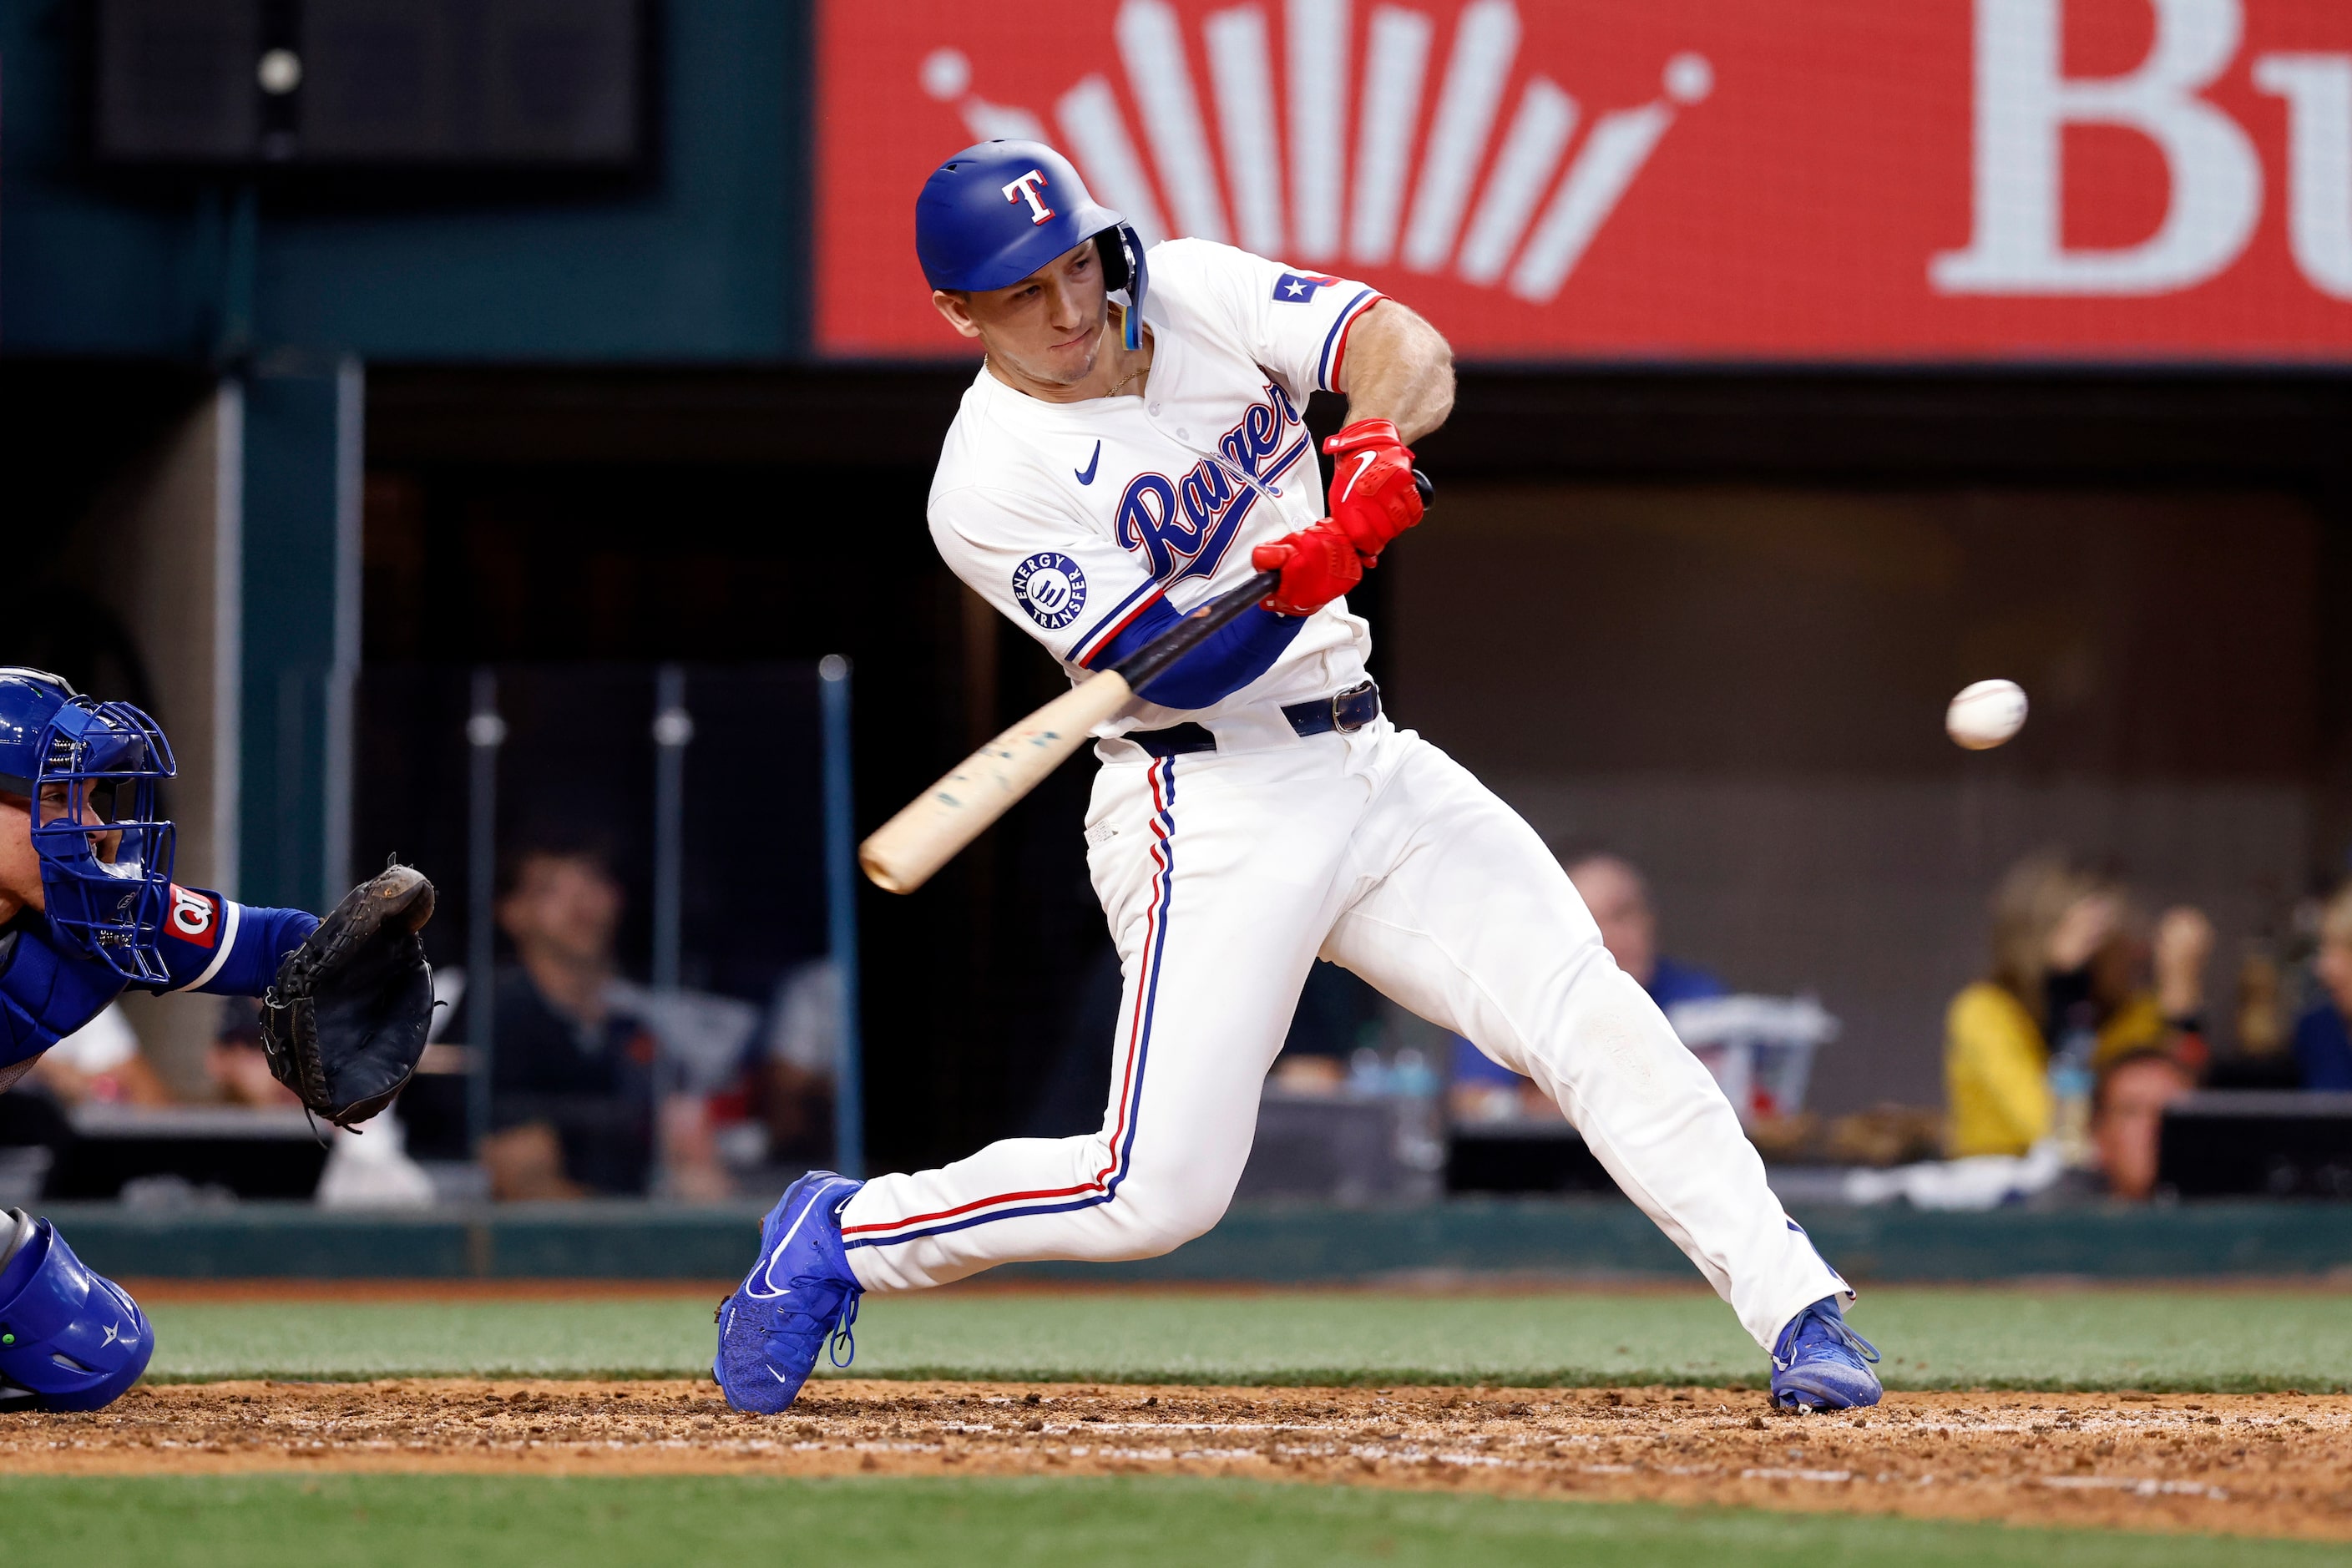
<point x="47" y="990"/>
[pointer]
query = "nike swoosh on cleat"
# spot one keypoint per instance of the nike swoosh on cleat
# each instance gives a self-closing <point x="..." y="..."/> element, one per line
<point x="764" y="1274"/>
<point x="779" y="1376"/>
<point x="1087" y="474"/>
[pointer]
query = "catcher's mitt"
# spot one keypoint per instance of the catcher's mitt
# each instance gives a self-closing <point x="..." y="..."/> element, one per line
<point x="346" y="1020"/>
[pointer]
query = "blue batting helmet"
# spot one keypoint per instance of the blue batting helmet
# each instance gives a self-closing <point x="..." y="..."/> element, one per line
<point x="998" y="211"/>
<point x="70" y="1339"/>
<point x="105" y="856"/>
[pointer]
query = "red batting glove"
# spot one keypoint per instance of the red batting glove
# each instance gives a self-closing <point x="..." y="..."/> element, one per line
<point x="1372" y="494"/>
<point x="1318" y="564"/>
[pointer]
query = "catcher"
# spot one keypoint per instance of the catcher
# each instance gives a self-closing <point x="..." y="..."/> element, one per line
<point x="87" y="909"/>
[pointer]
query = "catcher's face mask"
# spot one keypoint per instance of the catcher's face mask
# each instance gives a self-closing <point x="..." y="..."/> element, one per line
<point x="105" y="856"/>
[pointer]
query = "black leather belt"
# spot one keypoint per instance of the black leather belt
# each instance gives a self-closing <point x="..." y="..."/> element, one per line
<point x="1348" y="712"/>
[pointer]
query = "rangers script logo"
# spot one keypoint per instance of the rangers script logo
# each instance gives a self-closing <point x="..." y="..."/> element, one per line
<point x="1183" y="526"/>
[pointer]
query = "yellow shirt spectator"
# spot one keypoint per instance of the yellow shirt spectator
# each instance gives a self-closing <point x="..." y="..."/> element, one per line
<point x="1996" y="1074"/>
<point x="1997" y="1067"/>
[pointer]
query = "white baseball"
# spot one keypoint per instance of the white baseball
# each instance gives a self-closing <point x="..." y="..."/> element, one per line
<point x="1985" y="714"/>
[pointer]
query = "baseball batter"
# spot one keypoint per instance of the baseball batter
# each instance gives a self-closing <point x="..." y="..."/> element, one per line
<point x="1114" y="465"/>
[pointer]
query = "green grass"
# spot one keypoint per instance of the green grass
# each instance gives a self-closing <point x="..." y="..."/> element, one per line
<point x="2152" y="1339"/>
<point x="396" y="1522"/>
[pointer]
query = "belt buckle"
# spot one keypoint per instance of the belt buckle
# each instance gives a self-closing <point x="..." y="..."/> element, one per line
<point x="1339" y="704"/>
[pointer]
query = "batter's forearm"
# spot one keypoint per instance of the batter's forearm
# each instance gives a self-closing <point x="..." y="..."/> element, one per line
<point x="1400" y="369"/>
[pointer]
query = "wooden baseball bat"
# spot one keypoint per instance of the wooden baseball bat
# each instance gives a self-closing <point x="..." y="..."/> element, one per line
<point x="903" y="852"/>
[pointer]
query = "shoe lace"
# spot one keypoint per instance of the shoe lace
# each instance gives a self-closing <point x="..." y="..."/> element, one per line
<point x="844" y="1331"/>
<point x="1853" y="1342"/>
<point x="1837" y="1329"/>
<point x="840" y="1336"/>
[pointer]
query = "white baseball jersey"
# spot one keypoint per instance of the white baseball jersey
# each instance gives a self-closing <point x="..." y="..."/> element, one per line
<point x="1074" y="519"/>
<point x="1225" y="873"/>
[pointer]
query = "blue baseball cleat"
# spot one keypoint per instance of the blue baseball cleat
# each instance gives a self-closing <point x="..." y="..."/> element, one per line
<point x="799" y="1296"/>
<point x="1822" y="1364"/>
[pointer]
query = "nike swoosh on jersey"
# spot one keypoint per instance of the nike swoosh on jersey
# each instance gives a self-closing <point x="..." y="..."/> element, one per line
<point x="1087" y="474"/>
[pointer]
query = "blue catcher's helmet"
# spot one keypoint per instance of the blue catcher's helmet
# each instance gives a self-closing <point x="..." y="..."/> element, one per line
<point x="70" y="1339"/>
<point x="998" y="211"/>
<point x="105" y="856"/>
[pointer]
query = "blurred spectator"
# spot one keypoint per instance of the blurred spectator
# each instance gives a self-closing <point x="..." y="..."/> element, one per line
<point x="2263" y="1014"/>
<point x="235" y="1062"/>
<point x="2066" y="993"/>
<point x="2261" y="1006"/>
<point x="1618" y="896"/>
<point x="2322" y="1043"/>
<point x="101" y="1061"/>
<point x="574" y="1091"/>
<point x="796" y="1086"/>
<point x="2128" y="1114"/>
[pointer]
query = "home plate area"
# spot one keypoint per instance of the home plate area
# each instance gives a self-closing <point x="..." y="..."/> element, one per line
<point x="2267" y="1465"/>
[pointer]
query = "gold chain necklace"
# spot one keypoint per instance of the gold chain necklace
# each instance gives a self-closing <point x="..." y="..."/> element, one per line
<point x="1130" y="376"/>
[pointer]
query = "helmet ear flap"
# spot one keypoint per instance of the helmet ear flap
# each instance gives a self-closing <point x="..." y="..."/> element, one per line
<point x="1110" y="246"/>
<point x="1121" y="249"/>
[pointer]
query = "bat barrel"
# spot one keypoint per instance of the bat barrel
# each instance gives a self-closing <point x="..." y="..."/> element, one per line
<point x="902" y="854"/>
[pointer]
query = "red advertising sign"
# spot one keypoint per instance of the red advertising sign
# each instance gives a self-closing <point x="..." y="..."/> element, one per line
<point x="1654" y="179"/>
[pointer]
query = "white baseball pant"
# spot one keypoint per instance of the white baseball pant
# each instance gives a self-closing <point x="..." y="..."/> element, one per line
<point x="1224" y="875"/>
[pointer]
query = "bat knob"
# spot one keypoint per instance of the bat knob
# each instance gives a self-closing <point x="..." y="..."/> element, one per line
<point x="1428" y="491"/>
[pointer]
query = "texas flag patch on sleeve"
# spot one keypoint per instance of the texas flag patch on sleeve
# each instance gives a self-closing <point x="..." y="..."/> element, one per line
<point x="195" y="918"/>
<point x="1298" y="288"/>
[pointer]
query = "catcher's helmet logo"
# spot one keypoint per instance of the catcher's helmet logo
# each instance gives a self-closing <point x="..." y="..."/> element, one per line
<point x="194" y="917"/>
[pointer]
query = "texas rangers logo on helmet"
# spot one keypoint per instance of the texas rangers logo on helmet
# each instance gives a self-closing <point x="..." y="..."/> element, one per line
<point x="1024" y="189"/>
<point x="1050" y="588"/>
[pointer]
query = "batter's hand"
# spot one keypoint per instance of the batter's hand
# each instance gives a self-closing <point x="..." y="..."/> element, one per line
<point x="1318" y="564"/>
<point x="1373" y="498"/>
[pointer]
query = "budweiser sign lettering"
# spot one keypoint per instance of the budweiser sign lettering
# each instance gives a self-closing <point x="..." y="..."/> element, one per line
<point x="1653" y="179"/>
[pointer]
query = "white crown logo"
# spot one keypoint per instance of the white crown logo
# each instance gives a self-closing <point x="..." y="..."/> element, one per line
<point x="1503" y="233"/>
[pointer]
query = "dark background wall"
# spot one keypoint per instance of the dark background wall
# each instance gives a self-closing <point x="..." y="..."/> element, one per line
<point x="700" y="260"/>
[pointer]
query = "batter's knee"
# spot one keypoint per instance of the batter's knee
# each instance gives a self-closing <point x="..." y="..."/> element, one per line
<point x="1160" y="1218"/>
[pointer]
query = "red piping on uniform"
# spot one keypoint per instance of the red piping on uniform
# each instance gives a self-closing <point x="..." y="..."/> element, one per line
<point x="1135" y="1027"/>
